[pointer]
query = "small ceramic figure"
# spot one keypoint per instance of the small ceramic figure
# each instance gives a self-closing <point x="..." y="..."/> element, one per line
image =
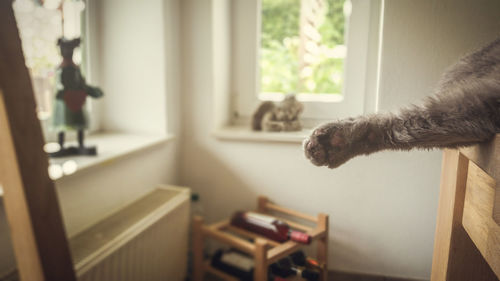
<point x="71" y="94"/>
<point x="279" y="117"/>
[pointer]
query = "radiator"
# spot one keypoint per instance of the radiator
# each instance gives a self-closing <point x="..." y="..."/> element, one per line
<point x="145" y="241"/>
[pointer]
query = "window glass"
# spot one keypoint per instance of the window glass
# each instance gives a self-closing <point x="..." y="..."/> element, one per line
<point x="40" y="25"/>
<point x="302" y="47"/>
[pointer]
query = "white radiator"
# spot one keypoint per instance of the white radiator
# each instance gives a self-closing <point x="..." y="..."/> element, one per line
<point x="145" y="241"/>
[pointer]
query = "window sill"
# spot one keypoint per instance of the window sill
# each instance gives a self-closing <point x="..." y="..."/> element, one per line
<point x="110" y="147"/>
<point x="243" y="133"/>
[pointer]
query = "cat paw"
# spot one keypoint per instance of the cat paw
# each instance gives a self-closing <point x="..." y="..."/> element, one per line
<point x="333" y="144"/>
<point x="324" y="144"/>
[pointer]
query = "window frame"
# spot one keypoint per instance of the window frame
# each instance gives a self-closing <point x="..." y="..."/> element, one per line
<point x="89" y="59"/>
<point x="360" y="70"/>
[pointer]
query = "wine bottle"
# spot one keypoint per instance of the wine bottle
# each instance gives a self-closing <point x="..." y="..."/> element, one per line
<point x="285" y="268"/>
<point x="314" y="264"/>
<point x="238" y="265"/>
<point x="269" y="227"/>
<point x="300" y="259"/>
<point x="272" y="277"/>
<point x="234" y="263"/>
<point x="196" y="210"/>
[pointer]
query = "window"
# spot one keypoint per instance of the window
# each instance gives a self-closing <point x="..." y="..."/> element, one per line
<point x="323" y="50"/>
<point x="136" y="80"/>
<point x="302" y="48"/>
<point x="40" y="26"/>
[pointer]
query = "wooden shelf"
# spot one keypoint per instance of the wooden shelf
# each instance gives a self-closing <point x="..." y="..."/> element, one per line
<point x="218" y="273"/>
<point x="264" y="250"/>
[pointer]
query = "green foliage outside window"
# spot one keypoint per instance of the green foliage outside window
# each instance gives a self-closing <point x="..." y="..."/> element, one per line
<point x="280" y="42"/>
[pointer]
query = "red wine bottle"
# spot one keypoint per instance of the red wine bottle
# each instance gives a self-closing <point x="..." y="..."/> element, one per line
<point x="269" y="227"/>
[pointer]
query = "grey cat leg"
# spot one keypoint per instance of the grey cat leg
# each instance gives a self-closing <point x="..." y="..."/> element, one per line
<point x="465" y="111"/>
<point x="332" y="144"/>
<point x="438" y="124"/>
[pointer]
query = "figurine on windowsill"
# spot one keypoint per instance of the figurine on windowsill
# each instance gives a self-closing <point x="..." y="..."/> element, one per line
<point x="278" y="117"/>
<point x="71" y="93"/>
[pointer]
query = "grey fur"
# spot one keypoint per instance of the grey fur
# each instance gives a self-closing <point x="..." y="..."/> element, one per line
<point x="258" y="115"/>
<point x="463" y="111"/>
<point x="278" y="117"/>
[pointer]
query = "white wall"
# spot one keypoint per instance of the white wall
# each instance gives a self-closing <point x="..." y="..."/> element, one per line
<point x="130" y="42"/>
<point x="382" y="207"/>
<point x="90" y="195"/>
<point x="138" y="70"/>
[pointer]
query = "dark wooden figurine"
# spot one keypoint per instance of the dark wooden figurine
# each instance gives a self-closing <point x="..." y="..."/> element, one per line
<point x="71" y="94"/>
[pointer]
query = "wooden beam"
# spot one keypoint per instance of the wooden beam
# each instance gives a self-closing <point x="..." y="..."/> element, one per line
<point x="32" y="208"/>
<point x="251" y="235"/>
<point x="260" y="270"/>
<point x="477" y="219"/>
<point x="232" y="240"/>
<point x="16" y="206"/>
<point x="285" y="249"/>
<point x="322" y="245"/>
<point x="283" y="210"/>
<point x="455" y="256"/>
<point x="219" y="273"/>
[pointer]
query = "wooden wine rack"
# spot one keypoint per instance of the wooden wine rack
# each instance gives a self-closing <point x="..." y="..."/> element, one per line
<point x="264" y="250"/>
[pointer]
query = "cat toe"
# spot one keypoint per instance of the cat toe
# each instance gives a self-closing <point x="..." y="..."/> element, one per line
<point x="337" y="140"/>
<point x="334" y="159"/>
<point x="315" y="152"/>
